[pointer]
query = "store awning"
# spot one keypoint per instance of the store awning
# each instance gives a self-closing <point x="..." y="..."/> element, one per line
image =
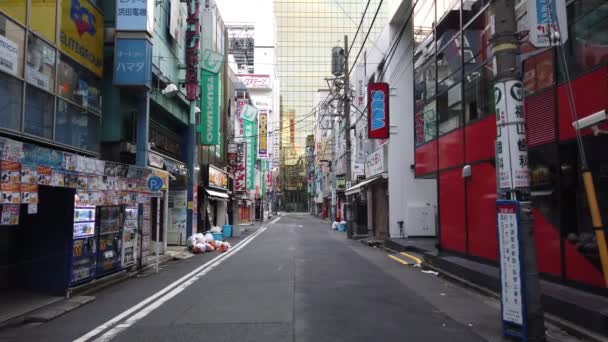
<point x="355" y="189"/>
<point x="216" y="195"/>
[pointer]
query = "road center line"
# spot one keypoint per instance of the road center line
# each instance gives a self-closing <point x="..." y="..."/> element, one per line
<point x="275" y="220"/>
<point x="176" y="284"/>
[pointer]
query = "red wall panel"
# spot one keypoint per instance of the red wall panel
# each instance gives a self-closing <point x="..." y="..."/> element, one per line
<point x="481" y="212"/>
<point x="590" y="96"/>
<point x="480" y="138"/>
<point x="579" y="269"/>
<point x="451" y="211"/>
<point x="426" y="158"/>
<point x="547" y="242"/>
<point x="451" y="152"/>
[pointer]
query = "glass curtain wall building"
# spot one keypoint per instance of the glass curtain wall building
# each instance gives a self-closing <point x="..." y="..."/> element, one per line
<point x="306" y="30"/>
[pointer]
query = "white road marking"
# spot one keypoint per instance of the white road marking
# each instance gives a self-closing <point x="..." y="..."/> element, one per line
<point x="169" y="292"/>
<point x="275" y="220"/>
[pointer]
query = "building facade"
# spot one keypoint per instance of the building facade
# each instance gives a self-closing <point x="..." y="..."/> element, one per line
<point x="455" y="126"/>
<point x="306" y="32"/>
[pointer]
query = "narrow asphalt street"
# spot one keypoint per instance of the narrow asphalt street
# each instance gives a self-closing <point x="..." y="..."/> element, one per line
<point x="293" y="280"/>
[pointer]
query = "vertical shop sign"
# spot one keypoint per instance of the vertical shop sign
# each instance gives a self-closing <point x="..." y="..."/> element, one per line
<point x="231" y="155"/>
<point x="81" y="35"/>
<point x="241" y="168"/>
<point x="263" y="129"/>
<point x="193" y="37"/>
<point x="210" y="123"/>
<point x="511" y="145"/>
<point x="511" y="268"/>
<point x="133" y="62"/>
<point x="545" y="19"/>
<point x="378" y="112"/>
<point x="249" y="134"/>
<point x="240" y="105"/>
<point x="135" y="15"/>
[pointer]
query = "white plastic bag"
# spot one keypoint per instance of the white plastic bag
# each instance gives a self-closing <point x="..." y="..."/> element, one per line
<point x="208" y="237"/>
<point x="191" y="241"/>
<point x="199" y="248"/>
<point x="334" y="226"/>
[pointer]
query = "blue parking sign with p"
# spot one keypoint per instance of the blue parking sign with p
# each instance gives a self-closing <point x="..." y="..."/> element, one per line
<point x="155" y="183"/>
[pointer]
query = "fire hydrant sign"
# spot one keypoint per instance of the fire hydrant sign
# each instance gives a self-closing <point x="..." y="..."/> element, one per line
<point x="511" y="145"/>
<point x="511" y="265"/>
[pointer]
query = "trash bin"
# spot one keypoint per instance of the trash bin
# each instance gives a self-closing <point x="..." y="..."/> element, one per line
<point x="227" y="231"/>
<point x="217" y="236"/>
<point x="341" y="227"/>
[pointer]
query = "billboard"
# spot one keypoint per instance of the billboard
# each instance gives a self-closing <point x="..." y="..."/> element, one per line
<point x="255" y="81"/>
<point x="135" y="15"/>
<point x="81" y="34"/>
<point x="133" y="62"/>
<point x="378" y="112"/>
<point x="263" y="138"/>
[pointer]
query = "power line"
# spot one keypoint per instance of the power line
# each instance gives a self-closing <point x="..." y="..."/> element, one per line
<point x="359" y="27"/>
<point x="366" y="36"/>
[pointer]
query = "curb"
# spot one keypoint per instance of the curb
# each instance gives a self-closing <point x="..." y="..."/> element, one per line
<point x="570" y="328"/>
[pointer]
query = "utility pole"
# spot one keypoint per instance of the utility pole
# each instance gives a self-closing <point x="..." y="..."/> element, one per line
<point x="347" y="211"/>
<point x="513" y="176"/>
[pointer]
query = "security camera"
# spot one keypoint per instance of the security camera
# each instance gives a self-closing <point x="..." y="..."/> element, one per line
<point x="197" y="110"/>
<point x="170" y="90"/>
<point x="590" y="120"/>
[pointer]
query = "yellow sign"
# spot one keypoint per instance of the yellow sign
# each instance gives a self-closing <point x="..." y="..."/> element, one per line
<point x="164" y="175"/>
<point x="263" y="148"/>
<point x="82" y="33"/>
<point x="218" y="178"/>
<point x="15" y="9"/>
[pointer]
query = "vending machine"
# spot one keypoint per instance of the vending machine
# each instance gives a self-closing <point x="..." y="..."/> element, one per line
<point x="84" y="245"/>
<point x="129" y="251"/>
<point x="110" y="222"/>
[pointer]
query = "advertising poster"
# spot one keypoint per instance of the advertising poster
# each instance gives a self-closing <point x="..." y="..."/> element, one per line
<point x="29" y="193"/>
<point x="11" y="150"/>
<point x="10" y="193"/>
<point x="9" y="55"/>
<point x="58" y="178"/>
<point x="232" y="158"/>
<point x="240" y="168"/>
<point x="45" y="175"/>
<point x="263" y="138"/>
<point x="10" y="215"/>
<point x="10" y="172"/>
<point x="81" y="35"/>
<point x="36" y="155"/>
<point x="29" y="174"/>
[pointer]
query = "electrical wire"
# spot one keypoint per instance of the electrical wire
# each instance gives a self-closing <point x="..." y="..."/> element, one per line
<point x="358" y="27"/>
<point x="366" y="36"/>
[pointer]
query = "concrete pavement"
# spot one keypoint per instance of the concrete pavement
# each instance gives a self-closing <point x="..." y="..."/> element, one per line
<point x="294" y="281"/>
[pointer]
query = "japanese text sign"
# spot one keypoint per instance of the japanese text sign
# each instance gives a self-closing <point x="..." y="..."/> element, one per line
<point x="133" y="62"/>
<point x="135" y="15"/>
<point x="547" y="18"/>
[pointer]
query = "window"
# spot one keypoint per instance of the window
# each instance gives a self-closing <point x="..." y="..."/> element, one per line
<point x="449" y="109"/>
<point x="476" y="41"/>
<point x="11" y="96"/>
<point x="12" y="37"/>
<point x="39" y="112"/>
<point x="470" y="10"/>
<point x="43" y="18"/>
<point x="449" y="65"/>
<point x="78" y="84"/>
<point x="429" y="117"/>
<point x="40" y="65"/>
<point x="587" y="45"/>
<point x="479" y="93"/>
<point x="76" y="127"/>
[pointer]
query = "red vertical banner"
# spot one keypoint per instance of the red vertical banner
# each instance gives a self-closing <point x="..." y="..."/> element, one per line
<point x="378" y="111"/>
<point x="192" y="49"/>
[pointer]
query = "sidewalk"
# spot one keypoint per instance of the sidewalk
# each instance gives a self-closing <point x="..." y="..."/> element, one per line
<point x="44" y="308"/>
<point x="571" y="308"/>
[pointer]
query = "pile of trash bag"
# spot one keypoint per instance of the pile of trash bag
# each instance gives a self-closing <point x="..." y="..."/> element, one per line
<point x="201" y="243"/>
